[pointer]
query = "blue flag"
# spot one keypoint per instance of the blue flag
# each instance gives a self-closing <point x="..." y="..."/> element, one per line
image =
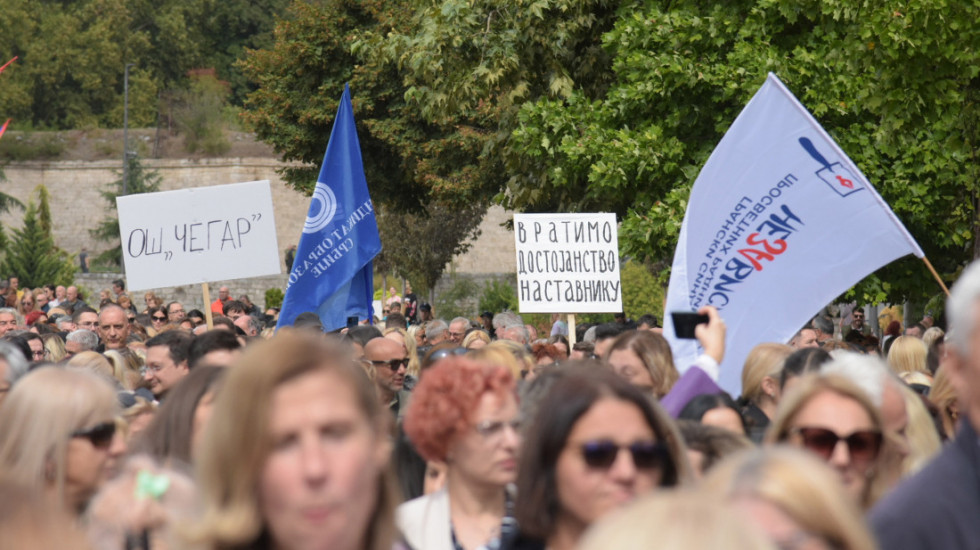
<point x="332" y="273"/>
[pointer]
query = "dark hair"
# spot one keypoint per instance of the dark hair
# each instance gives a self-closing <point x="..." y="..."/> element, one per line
<point x="823" y="324"/>
<point x="195" y="313"/>
<point x="894" y="328"/>
<point x="648" y="319"/>
<point x="234" y="305"/>
<point x="177" y="341"/>
<point x="168" y="436"/>
<point x="697" y="407"/>
<point x="221" y="320"/>
<point x="581" y="329"/>
<point x="409" y="467"/>
<point x="77" y="313"/>
<point x="396" y="320"/>
<point x="712" y="442"/>
<point x="571" y="397"/>
<point x="211" y="340"/>
<point x="362" y="334"/>
<point x="802" y="361"/>
<point x="120" y="283"/>
<point x="607" y="330"/>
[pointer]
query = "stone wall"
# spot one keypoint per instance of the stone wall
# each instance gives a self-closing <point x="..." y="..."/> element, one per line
<point x="77" y="207"/>
<point x="191" y="296"/>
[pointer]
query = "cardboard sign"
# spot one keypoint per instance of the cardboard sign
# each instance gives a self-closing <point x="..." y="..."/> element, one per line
<point x="568" y="263"/>
<point x="198" y="235"/>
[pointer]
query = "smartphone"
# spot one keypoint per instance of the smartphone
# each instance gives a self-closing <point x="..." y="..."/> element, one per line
<point x="685" y="321"/>
<point x="352" y="321"/>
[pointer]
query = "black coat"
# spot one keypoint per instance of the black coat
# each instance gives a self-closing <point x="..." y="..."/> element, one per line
<point x="938" y="508"/>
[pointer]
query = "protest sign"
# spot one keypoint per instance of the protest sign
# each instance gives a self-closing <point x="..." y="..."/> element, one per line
<point x="198" y="235"/>
<point x="779" y="223"/>
<point x="567" y="263"/>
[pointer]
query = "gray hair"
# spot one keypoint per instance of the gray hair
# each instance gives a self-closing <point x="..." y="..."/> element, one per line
<point x="868" y="372"/>
<point x="823" y="324"/>
<point x="961" y="306"/>
<point x="521" y="331"/>
<point x="16" y="362"/>
<point x="17" y="316"/>
<point x="463" y="320"/>
<point x="434" y="329"/>
<point x="505" y="319"/>
<point x="86" y="338"/>
<point x="62" y="321"/>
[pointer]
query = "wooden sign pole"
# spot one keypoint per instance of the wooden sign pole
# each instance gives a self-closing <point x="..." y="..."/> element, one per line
<point x="206" y="290"/>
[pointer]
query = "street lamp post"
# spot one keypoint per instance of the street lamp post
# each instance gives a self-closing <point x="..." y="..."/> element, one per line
<point x="125" y="185"/>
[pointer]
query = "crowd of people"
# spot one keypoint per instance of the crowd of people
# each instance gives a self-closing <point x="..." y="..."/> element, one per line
<point x="123" y="428"/>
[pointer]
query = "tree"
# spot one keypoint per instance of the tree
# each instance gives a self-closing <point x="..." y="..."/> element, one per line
<point x="140" y="180"/>
<point x="896" y="89"/>
<point x="419" y="246"/>
<point x="32" y="255"/>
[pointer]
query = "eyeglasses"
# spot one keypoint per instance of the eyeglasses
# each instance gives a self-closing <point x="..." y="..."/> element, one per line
<point x="493" y="428"/>
<point x="863" y="446"/>
<point x="393" y="364"/>
<point x="454" y="335"/>
<point x="647" y="455"/>
<point x="160" y="319"/>
<point x="100" y="435"/>
<point x="37" y="354"/>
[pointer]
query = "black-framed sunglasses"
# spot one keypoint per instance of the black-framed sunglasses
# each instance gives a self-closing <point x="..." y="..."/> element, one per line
<point x="863" y="445"/>
<point x="160" y="319"/>
<point x="100" y="435"/>
<point x="646" y="455"/>
<point x="393" y="364"/>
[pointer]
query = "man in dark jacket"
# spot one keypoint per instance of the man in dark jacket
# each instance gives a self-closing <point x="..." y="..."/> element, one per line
<point x="939" y="508"/>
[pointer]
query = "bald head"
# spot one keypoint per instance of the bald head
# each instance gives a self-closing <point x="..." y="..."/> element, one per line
<point x="381" y="349"/>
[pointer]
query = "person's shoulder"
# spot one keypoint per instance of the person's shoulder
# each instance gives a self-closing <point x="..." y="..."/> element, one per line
<point x="934" y="507"/>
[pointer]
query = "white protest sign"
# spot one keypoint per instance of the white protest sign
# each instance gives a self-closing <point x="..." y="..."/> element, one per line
<point x="568" y="263"/>
<point x="198" y="235"/>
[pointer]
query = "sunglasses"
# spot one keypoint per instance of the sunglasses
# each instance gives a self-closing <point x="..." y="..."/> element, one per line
<point x="863" y="446"/>
<point x="100" y="435"/>
<point x="161" y="319"/>
<point x="446" y="352"/>
<point x="393" y="364"/>
<point x="646" y="455"/>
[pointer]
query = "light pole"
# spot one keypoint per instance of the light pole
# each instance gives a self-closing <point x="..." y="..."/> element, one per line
<point x="125" y="185"/>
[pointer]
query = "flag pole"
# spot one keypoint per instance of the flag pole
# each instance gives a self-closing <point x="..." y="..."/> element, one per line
<point x="936" y="275"/>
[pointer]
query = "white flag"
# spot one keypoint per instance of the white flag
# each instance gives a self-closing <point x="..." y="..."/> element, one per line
<point x="779" y="223"/>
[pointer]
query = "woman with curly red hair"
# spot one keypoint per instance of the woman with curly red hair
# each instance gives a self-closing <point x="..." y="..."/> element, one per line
<point x="464" y="413"/>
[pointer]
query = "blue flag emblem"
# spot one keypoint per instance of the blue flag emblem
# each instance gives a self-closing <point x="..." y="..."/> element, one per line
<point x="333" y="273"/>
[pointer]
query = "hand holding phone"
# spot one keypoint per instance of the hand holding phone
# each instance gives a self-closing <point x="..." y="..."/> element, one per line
<point x="686" y="321"/>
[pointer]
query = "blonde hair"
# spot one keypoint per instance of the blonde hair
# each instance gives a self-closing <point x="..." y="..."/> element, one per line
<point x="38" y="417"/>
<point x="812" y="385"/>
<point x="907" y="354"/>
<point x="125" y="367"/>
<point x="510" y="354"/>
<point x="923" y="439"/>
<point x="931" y="335"/>
<point x="236" y="442"/>
<point x="943" y="396"/>
<point x="764" y="360"/>
<point x="414" y="365"/>
<point x="474" y="336"/>
<point x="654" y="352"/>
<point x="55" y="347"/>
<point x="800" y="485"/>
<point x="95" y="362"/>
<point x="678" y="519"/>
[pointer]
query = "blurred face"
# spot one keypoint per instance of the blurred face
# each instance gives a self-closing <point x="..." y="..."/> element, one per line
<point x="161" y="371"/>
<point x="858" y="318"/>
<point x="586" y="492"/>
<point x="456" y="332"/>
<point x="630" y="367"/>
<point x="37" y="349"/>
<point x="41" y="300"/>
<point x="602" y="347"/>
<point x="59" y="293"/>
<point x="806" y="339"/>
<point x="223" y="293"/>
<point x="113" y="328"/>
<point x="175" y="312"/>
<point x="93" y="453"/>
<point x="318" y="484"/>
<point x="964" y="372"/>
<point x="27" y="303"/>
<point x="486" y="454"/>
<point x="71" y="293"/>
<point x="726" y="418"/>
<point x="202" y="413"/>
<point x="390" y="362"/>
<point x="89" y="321"/>
<point x="777" y="525"/>
<point x="159" y="319"/>
<point x="843" y="416"/>
<point x="7" y="322"/>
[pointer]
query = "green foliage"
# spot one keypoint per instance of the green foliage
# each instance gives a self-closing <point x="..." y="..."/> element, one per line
<point x="72" y="55"/>
<point x="31" y="254"/>
<point x="274" y="297"/>
<point x="199" y="115"/>
<point x="642" y="292"/>
<point x="139" y="180"/>
<point x="31" y="146"/>
<point x="498" y="296"/>
<point x="458" y="300"/>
